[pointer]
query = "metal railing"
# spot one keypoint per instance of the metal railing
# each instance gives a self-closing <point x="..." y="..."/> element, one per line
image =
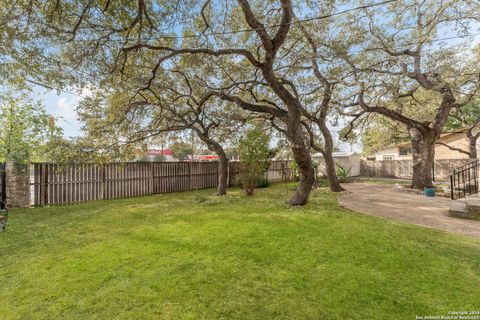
<point x="464" y="180"/>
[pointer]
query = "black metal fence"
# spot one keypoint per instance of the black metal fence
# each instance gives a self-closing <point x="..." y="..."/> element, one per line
<point x="464" y="180"/>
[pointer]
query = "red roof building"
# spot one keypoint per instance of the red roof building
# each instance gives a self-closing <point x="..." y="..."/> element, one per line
<point x="156" y="152"/>
<point x="205" y="157"/>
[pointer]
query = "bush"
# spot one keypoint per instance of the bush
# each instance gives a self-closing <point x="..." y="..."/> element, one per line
<point x="343" y="173"/>
<point x="263" y="183"/>
<point x="255" y="157"/>
<point x="295" y="171"/>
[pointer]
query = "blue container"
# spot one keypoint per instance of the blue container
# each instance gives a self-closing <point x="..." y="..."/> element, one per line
<point x="429" y="192"/>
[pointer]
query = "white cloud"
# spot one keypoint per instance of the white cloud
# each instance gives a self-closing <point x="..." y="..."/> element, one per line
<point x="66" y="106"/>
<point x="66" y="109"/>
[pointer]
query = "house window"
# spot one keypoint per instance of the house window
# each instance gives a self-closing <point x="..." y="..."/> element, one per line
<point x="404" y="151"/>
<point x="388" y="157"/>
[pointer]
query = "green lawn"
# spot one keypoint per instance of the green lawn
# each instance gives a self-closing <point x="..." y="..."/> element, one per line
<point x="196" y="256"/>
<point x="381" y="180"/>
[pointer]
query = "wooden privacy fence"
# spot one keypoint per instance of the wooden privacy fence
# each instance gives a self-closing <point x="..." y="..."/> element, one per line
<point x="279" y="170"/>
<point x="61" y="184"/>
<point x="2" y="185"/>
<point x="404" y="168"/>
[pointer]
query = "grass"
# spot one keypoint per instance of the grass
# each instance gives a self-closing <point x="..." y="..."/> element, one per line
<point x="380" y="180"/>
<point x="392" y="181"/>
<point x="196" y="256"/>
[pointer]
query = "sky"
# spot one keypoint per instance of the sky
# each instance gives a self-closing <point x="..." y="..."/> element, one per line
<point x="63" y="107"/>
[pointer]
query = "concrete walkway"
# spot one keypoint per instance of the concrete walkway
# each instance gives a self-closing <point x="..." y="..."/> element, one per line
<point x="383" y="201"/>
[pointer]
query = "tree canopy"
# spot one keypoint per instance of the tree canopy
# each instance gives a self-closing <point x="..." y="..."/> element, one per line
<point x="27" y="132"/>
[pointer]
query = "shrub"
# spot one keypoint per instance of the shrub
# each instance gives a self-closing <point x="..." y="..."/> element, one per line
<point x="295" y="171"/>
<point x="263" y="183"/>
<point x="255" y="157"/>
<point x="343" y="173"/>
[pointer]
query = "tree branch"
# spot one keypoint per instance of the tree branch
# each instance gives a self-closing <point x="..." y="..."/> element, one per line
<point x="452" y="148"/>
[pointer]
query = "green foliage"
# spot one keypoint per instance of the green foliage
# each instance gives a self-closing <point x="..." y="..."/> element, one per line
<point x="61" y="150"/>
<point x="263" y="183"/>
<point x="255" y="157"/>
<point x="343" y="173"/>
<point x="347" y="135"/>
<point x="182" y="150"/>
<point x="159" y="157"/>
<point x="469" y="115"/>
<point x="382" y="132"/>
<point x="27" y="132"/>
<point x="84" y="150"/>
<point x="295" y="170"/>
<point x="143" y="158"/>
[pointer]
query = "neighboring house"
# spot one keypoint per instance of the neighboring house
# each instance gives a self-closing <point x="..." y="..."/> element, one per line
<point x="157" y="155"/>
<point x="205" y="157"/>
<point x="448" y="147"/>
<point x="346" y="160"/>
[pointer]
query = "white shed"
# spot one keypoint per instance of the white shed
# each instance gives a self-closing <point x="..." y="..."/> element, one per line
<point x="347" y="160"/>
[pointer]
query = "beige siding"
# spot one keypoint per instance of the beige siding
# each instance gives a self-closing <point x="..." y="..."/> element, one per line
<point x="351" y="162"/>
<point x="391" y="151"/>
<point x="455" y="140"/>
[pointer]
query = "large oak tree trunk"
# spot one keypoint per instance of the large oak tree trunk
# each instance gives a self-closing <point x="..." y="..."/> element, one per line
<point x="307" y="177"/>
<point x="328" y="157"/>
<point x="222" y="164"/>
<point x="473" y="147"/>
<point x="303" y="159"/>
<point x="472" y="142"/>
<point x="222" y="173"/>
<point x="423" y="154"/>
<point x="331" y="172"/>
<point x="222" y="167"/>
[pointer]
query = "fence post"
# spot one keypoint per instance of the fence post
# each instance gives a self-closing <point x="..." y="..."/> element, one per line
<point x="43" y="185"/>
<point x="102" y="182"/>
<point x="190" y="164"/>
<point x="151" y="189"/>
<point x="3" y="189"/>
<point x="228" y="173"/>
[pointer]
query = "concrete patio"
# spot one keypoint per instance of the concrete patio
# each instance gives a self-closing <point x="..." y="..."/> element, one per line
<point x="384" y="201"/>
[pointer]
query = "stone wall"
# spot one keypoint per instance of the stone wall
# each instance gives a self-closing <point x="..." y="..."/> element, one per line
<point x="17" y="185"/>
